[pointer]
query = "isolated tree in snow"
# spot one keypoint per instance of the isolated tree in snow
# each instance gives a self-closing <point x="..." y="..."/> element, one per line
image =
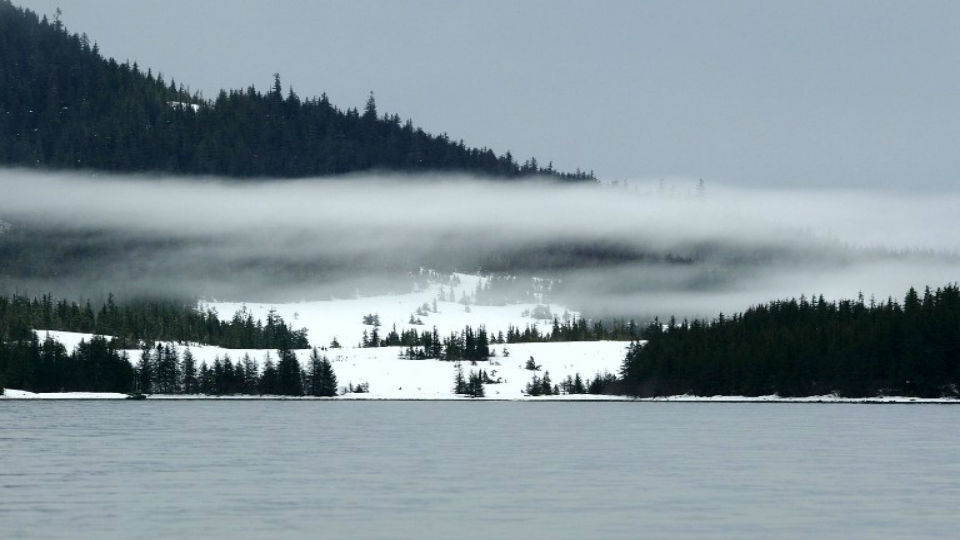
<point x="459" y="382"/>
<point x="322" y="381"/>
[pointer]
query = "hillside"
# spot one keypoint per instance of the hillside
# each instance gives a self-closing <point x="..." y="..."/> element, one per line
<point x="63" y="105"/>
<point x="808" y="347"/>
<point x="33" y="363"/>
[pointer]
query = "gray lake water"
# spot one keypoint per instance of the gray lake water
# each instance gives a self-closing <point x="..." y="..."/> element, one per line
<point x="282" y="469"/>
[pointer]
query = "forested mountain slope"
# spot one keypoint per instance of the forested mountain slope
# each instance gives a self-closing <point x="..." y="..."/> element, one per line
<point x="63" y="105"/>
<point x="808" y="347"/>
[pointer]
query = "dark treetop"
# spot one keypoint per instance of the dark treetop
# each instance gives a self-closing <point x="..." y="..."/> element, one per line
<point x="62" y="105"/>
<point x="808" y="347"/>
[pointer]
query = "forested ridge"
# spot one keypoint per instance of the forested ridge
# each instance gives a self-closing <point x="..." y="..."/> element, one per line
<point x="99" y="365"/>
<point x="808" y="347"/>
<point x="135" y="321"/>
<point x="63" y="105"/>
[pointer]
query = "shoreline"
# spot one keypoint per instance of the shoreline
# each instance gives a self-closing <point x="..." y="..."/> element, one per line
<point x="888" y="400"/>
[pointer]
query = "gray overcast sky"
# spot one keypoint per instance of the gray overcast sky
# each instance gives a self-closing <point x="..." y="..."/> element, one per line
<point x="764" y="93"/>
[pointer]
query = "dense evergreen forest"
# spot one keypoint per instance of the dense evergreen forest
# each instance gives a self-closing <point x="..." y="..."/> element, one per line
<point x="808" y="347"/>
<point x="133" y="322"/>
<point x="98" y="365"/>
<point x="63" y="105"/>
<point x="101" y="364"/>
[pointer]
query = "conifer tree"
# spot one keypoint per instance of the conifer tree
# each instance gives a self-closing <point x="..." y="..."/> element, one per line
<point x="188" y="368"/>
<point x="321" y="379"/>
<point x="268" y="379"/>
<point x="145" y="370"/>
<point x="289" y="381"/>
<point x="459" y="382"/>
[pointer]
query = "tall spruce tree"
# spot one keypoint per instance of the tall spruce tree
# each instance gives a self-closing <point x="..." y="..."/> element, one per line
<point x="321" y="379"/>
<point x="289" y="376"/>
<point x="188" y="369"/>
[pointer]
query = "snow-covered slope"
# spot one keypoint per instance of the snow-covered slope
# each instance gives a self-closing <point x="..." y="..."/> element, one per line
<point x="343" y="318"/>
<point x="391" y="377"/>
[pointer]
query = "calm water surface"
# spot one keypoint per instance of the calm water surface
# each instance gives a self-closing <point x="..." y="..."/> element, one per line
<point x="477" y="470"/>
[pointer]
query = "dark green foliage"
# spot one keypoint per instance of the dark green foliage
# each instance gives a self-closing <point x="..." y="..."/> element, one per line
<point x="469" y="344"/>
<point x="289" y="374"/>
<point x="540" y="386"/>
<point x="531" y="365"/>
<point x="472" y="344"/>
<point x="146" y="371"/>
<point x="250" y="383"/>
<point x="459" y="381"/>
<point x="472" y="384"/>
<point x="188" y="368"/>
<point x="269" y="382"/>
<point x="576" y="330"/>
<point x="168" y="371"/>
<point x="573" y="385"/>
<point x="321" y="380"/>
<point x="146" y="321"/>
<point x="62" y="105"/>
<point x="207" y="385"/>
<point x="361" y="388"/>
<point x="94" y="366"/>
<point x="605" y="383"/>
<point x="475" y="384"/>
<point x="803" y="347"/>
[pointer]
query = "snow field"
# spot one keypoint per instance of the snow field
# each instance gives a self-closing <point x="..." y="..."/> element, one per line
<point x="343" y="318"/>
<point x="391" y="377"/>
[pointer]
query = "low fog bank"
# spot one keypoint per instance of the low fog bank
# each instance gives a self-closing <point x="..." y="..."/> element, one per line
<point x="619" y="250"/>
<point x="647" y="291"/>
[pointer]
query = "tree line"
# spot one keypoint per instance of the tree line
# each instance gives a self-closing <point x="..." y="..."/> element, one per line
<point x="472" y="384"/>
<point x="98" y="365"/>
<point x="146" y="321"/>
<point x="468" y="344"/>
<point x="474" y="344"/>
<point x="808" y="347"/>
<point x="577" y="329"/>
<point x="163" y="370"/>
<point x="63" y="105"/>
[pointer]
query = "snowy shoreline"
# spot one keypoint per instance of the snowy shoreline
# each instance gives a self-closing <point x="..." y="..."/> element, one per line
<point x="20" y="395"/>
<point x="389" y="376"/>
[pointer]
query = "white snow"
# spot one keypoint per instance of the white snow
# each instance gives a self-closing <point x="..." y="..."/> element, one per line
<point x="342" y="318"/>
<point x="391" y="377"/>
<point x="183" y="104"/>
<point x="70" y="340"/>
<point x="10" y="393"/>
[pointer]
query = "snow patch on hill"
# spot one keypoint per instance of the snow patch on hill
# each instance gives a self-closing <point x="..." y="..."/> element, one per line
<point x="447" y="302"/>
<point x="392" y="377"/>
<point x="343" y="318"/>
